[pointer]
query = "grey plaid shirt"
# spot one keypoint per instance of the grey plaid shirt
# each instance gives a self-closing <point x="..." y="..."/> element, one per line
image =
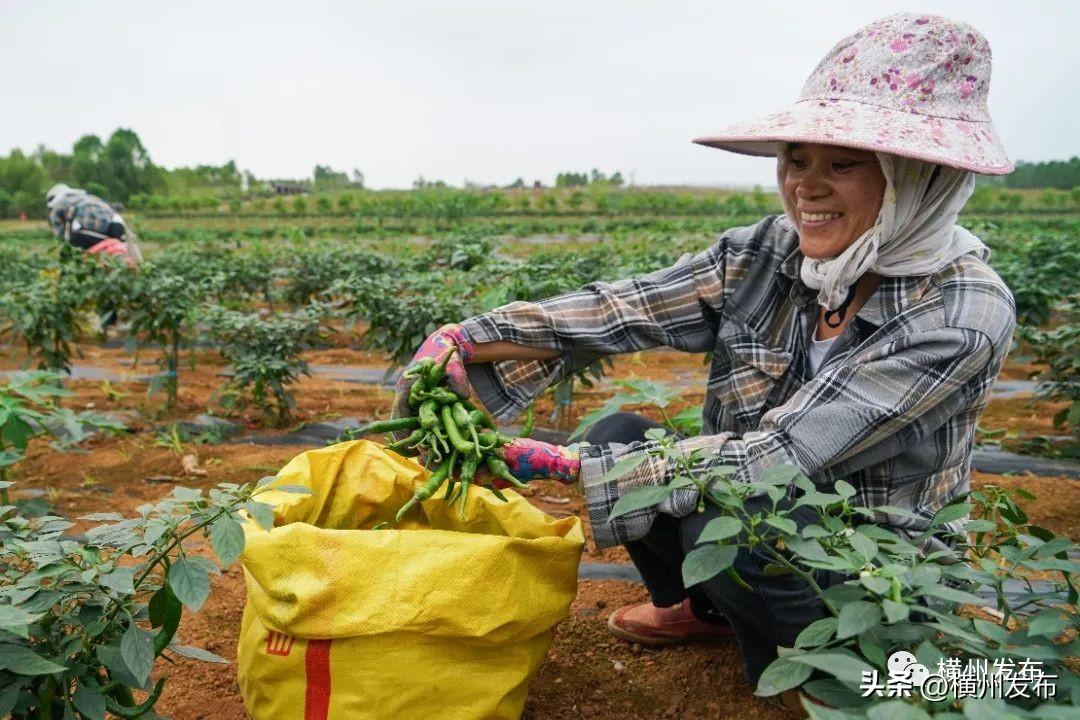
<point x="892" y="409"/>
<point x="76" y="212"/>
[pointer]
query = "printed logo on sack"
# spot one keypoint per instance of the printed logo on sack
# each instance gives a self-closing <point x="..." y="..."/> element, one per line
<point x="278" y="644"/>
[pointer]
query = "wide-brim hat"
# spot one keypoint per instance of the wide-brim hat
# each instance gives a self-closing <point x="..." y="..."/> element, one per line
<point x="911" y="85"/>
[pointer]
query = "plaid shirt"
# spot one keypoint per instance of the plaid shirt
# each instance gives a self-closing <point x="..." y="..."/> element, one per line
<point x="77" y="212"/>
<point x="892" y="409"/>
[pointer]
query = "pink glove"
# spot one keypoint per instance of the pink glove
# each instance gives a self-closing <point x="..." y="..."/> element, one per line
<point x="435" y="347"/>
<point x="532" y="460"/>
<point x="113" y="247"/>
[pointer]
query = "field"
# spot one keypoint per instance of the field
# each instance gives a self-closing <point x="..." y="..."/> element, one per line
<point x="278" y="325"/>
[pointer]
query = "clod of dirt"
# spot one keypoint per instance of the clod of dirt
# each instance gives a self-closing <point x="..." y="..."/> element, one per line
<point x="190" y="464"/>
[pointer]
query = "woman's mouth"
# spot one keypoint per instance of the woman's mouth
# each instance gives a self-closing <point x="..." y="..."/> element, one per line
<point x="818" y="219"/>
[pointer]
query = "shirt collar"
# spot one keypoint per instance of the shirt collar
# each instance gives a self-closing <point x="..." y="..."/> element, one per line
<point x="892" y="297"/>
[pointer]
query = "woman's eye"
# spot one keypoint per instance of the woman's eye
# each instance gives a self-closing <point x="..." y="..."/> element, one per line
<point x="842" y="165"/>
<point x="797" y="164"/>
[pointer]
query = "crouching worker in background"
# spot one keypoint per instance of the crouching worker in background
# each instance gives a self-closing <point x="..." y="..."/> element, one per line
<point x="89" y="223"/>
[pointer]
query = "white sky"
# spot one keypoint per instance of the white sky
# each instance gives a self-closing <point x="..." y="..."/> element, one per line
<point x="485" y="91"/>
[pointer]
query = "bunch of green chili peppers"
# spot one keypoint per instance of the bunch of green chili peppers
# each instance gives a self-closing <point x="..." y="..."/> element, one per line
<point x="454" y="437"/>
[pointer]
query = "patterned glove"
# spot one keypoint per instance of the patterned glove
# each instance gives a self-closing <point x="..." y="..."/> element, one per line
<point x="435" y="348"/>
<point x="532" y="460"/>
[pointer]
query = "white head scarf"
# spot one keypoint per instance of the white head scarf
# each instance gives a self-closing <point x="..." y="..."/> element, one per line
<point x="915" y="232"/>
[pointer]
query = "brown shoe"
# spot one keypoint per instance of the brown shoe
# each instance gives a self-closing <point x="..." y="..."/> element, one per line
<point x="647" y="624"/>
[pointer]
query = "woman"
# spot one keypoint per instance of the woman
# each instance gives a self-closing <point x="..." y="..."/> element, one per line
<point x="856" y="336"/>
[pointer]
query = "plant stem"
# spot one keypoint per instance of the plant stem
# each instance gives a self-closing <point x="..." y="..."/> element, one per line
<point x="808" y="577"/>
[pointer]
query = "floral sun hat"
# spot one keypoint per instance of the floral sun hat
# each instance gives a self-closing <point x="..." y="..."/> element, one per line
<point x="911" y="85"/>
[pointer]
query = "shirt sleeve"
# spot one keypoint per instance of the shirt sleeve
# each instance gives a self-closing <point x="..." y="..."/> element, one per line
<point x="674" y="307"/>
<point x="901" y="389"/>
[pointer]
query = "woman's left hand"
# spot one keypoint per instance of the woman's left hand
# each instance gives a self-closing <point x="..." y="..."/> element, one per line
<point x="536" y="460"/>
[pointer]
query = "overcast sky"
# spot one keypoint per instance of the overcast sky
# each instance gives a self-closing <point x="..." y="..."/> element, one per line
<point x="485" y="91"/>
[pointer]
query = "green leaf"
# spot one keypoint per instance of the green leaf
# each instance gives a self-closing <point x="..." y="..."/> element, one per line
<point x="638" y="499"/>
<point x="121" y="580"/>
<point x="898" y="511"/>
<point x="190" y="582"/>
<point x="875" y="584"/>
<point x="164" y="607"/>
<point x="779" y="475"/>
<point x="137" y="650"/>
<point x="623" y="466"/>
<point x="298" y="489"/>
<point x="856" y="617"/>
<point x="782" y="523"/>
<point x="817" y="633"/>
<point x="950" y="513"/>
<point x="809" y="549"/>
<point x="720" y="528"/>
<point x="950" y="594"/>
<point x="1048" y="623"/>
<point x="198" y="654"/>
<point x="21" y="660"/>
<point x="15" y="619"/>
<point x="895" y="611"/>
<point x="844" y="489"/>
<point x="782" y="674"/>
<point x="864" y="546"/>
<point x="227" y="539"/>
<point x="992" y="631"/>
<point x="88" y="700"/>
<point x="110" y="657"/>
<point x="895" y="710"/>
<point x="261" y="513"/>
<point x="706" y="562"/>
<point x="840" y="663"/>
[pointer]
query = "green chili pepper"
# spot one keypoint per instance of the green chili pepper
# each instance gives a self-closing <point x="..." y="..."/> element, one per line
<point x="385" y="426"/>
<point x="419" y="367"/>
<point x="441" y="395"/>
<point x="527" y="428"/>
<point x="461" y="417"/>
<point x="416" y="392"/>
<point x="451" y="481"/>
<point x="501" y="470"/>
<point x="460" y="444"/>
<point x="468" y="469"/>
<point x="427" y="489"/>
<point x="407" y="443"/>
<point x="440" y="436"/>
<point x="487" y="440"/>
<point x="434" y="374"/>
<point x="428" y="414"/>
<point x="497" y="493"/>
<point x="478" y="416"/>
<point x="165" y="610"/>
<point x="135" y="711"/>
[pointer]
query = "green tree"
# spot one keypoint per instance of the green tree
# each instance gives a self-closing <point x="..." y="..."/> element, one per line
<point x="299" y="205"/>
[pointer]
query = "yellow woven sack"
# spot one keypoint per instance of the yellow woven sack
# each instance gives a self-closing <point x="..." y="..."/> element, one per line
<point x="442" y="618"/>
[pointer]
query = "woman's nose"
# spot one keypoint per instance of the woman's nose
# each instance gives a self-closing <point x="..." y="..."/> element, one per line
<point x="811" y="185"/>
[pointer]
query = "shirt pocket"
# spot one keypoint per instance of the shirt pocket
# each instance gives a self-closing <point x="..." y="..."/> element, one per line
<point x="745" y="370"/>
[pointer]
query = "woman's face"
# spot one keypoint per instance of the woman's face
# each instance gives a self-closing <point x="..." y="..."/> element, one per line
<point x="835" y="194"/>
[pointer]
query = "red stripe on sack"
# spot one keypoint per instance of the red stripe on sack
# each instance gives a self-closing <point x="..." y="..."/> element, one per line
<point x="317" y="666"/>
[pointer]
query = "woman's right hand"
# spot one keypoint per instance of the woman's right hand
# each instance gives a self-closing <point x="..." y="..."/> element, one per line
<point x="433" y="351"/>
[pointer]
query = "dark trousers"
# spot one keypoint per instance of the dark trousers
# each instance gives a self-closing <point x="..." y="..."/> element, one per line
<point x="773" y="613"/>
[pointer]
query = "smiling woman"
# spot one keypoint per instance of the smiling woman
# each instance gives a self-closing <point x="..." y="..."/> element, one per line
<point x="874" y="163"/>
<point x="833" y="193"/>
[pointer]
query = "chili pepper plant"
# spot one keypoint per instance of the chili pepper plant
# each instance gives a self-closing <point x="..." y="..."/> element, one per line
<point x="84" y="620"/>
<point x="895" y="598"/>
